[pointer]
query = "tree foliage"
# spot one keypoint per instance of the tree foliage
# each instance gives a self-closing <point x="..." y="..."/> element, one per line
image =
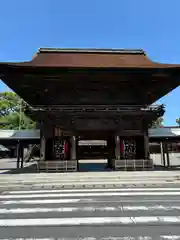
<point x="9" y="103"/>
<point x="12" y="114"/>
<point x="178" y="121"/>
<point x="158" y="123"/>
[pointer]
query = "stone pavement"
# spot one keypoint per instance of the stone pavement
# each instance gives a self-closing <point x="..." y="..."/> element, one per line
<point x="87" y="179"/>
<point x="9" y="165"/>
<point x="173" y="157"/>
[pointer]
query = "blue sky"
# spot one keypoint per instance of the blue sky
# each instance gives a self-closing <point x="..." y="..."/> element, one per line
<point x="152" y="25"/>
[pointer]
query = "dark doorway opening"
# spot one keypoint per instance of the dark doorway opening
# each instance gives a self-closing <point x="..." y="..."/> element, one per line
<point x="92" y="155"/>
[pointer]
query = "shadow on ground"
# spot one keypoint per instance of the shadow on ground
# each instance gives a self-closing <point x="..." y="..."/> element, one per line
<point x="29" y="169"/>
<point x="161" y="168"/>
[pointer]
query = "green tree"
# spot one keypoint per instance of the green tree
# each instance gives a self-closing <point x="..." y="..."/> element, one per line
<point x="178" y="121"/>
<point x="9" y="103"/>
<point x="158" y="123"/>
<point x="12" y="114"/>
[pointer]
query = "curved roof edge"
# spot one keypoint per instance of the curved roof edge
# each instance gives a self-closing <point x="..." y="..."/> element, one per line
<point x="89" y="58"/>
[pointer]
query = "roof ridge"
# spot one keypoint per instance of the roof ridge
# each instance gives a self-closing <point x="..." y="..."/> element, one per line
<point x="93" y="50"/>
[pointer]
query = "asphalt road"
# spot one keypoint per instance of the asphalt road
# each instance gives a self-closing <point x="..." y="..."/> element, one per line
<point x="118" y="213"/>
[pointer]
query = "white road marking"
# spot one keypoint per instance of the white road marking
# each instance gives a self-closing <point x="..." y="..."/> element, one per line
<point x="64" y="221"/>
<point x="87" y="221"/>
<point x="150" y="208"/>
<point x="173" y="237"/>
<point x="46" y="201"/>
<point x="88" y="209"/>
<point x="93" y="190"/>
<point x="169" y="219"/>
<point x="168" y="237"/>
<point x="65" y="209"/>
<point x="81" y="200"/>
<point x="88" y="194"/>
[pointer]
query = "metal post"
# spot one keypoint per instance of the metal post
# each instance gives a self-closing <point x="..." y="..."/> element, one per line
<point x="167" y="156"/>
<point x="22" y="155"/>
<point x="161" y="147"/>
<point x="109" y="147"/>
<point x="18" y="154"/>
<point x="163" y="154"/>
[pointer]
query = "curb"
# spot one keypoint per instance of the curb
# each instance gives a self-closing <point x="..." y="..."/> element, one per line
<point x="81" y="185"/>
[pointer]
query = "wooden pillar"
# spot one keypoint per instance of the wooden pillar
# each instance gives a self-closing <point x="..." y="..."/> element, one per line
<point x="77" y="152"/>
<point x="117" y="148"/>
<point x="43" y="148"/>
<point x="73" y="148"/>
<point x="146" y="146"/>
<point x="18" y="153"/>
<point x="109" y="147"/>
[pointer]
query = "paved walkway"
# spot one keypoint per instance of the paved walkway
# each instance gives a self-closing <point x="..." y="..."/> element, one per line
<point x="95" y="165"/>
<point x="173" y="157"/>
<point x="10" y="165"/>
<point x="87" y="180"/>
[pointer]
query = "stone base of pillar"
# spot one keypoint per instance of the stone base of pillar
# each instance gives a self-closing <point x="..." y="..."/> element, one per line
<point x="57" y="166"/>
<point x="132" y="164"/>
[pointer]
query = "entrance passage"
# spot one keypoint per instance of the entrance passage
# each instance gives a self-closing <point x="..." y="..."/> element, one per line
<point x="92" y="155"/>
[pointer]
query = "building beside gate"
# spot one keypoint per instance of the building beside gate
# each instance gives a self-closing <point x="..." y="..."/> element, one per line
<point x="102" y="94"/>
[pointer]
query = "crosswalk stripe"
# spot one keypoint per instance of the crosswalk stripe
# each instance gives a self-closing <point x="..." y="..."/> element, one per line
<point x="88" y="209"/>
<point x="88" y="221"/>
<point x="162" y="237"/>
<point x="94" y="190"/>
<point x="65" y="209"/>
<point x="90" y="200"/>
<point x="46" y="201"/>
<point x="150" y="208"/>
<point x="92" y="194"/>
<point x="81" y="200"/>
